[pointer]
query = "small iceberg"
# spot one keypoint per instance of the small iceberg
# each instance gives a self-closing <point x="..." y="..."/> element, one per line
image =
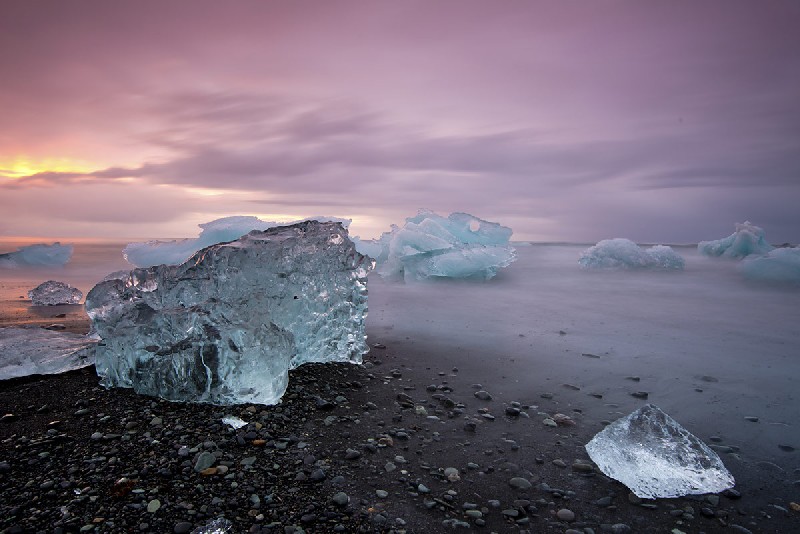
<point x="431" y="246"/>
<point x="39" y="255"/>
<point x="655" y="457"/>
<point x="781" y="265"/>
<point x="620" y="253"/>
<point x="746" y="240"/>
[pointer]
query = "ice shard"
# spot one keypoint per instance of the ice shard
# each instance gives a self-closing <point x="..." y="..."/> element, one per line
<point x="51" y="293"/>
<point x="36" y="351"/>
<point x="746" y="240"/>
<point x="226" y="326"/>
<point x="655" y="457"/>
<point x="431" y="246"/>
<point x="620" y="253"/>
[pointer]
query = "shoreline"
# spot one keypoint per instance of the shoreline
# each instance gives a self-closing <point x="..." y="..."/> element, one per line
<point x="342" y="434"/>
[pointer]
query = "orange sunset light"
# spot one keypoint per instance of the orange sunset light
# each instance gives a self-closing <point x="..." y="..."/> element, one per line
<point x="20" y="166"/>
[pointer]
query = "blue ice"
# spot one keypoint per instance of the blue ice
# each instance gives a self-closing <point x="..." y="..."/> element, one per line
<point x="39" y="255"/>
<point x="779" y="265"/>
<point x="746" y="240"/>
<point x="620" y="253"/>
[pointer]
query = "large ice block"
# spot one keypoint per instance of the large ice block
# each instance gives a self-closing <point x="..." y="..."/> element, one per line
<point x="432" y="246"/>
<point x="226" y="326"/>
<point x="620" y="253"/>
<point x="655" y="457"/>
<point x="781" y="265"/>
<point x="51" y="293"/>
<point x="31" y="351"/>
<point x="746" y="240"/>
<point x="39" y="255"/>
<point x="221" y="230"/>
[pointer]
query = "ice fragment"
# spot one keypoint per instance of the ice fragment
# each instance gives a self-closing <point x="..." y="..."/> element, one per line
<point x="432" y="246"/>
<point x="51" y="293"/>
<point x="39" y="255"/>
<point x="31" y="351"/>
<point x="655" y="457"/>
<point x="747" y="239"/>
<point x="781" y="265"/>
<point x="217" y="231"/>
<point x="233" y="421"/>
<point x="226" y="326"/>
<point x="620" y="253"/>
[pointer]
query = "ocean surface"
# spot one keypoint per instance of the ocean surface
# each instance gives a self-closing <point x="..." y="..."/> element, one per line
<point x="708" y="347"/>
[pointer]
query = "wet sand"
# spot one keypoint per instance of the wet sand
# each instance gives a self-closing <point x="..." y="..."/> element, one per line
<point x="358" y="430"/>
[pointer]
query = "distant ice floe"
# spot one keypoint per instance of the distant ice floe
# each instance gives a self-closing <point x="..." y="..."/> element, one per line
<point x="39" y="255"/>
<point x="620" y="253"/>
<point x="31" y="351"/>
<point x="431" y="246"/>
<point x="746" y="240"/>
<point x="217" y="231"/>
<point x="781" y="265"/>
<point x="52" y="293"/>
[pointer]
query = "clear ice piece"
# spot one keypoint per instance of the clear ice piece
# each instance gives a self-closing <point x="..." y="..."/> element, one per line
<point x="215" y="526"/>
<point x="655" y="457"/>
<point x="52" y="293"/>
<point x="620" y="253"/>
<point x="431" y="246"/>
<point x="746" y="240"/>
<point x="221" y="230"/>
<point x="226" y="326"/>
<point x="39" y="255"/>
<point x="233" y="421"/>
<point x="36" y="351"/>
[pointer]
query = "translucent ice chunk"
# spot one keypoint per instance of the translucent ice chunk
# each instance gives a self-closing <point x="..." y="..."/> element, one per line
<point x="227" y="325"/>
<point x="432" y="246"/>
<point x="213" y="232"/>
<point x="233" y="421"/>
<point x="655" y="457"/>
<point x="215" y="526"/>
<point x="32" y="351"/>
<point x="781" y="265"/>
<point x="620" y="253"/>
<point x="39" y="255"/>
<point x="51" y="293"/>
<point x="747" y="239"/>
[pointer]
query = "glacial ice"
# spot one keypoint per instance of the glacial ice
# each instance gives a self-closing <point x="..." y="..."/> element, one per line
<point x="620" y="253"/>
<point x="30" y="351"/>
<point x="432" y="246"/>
<point x="746" y="240"/>
<point x="217" y="231"/>
<point x="51" y="293"/>
<point x="233" y="421"/>
<point x="781" y="265"/>
<point x="226" y="326"/>
<point x="39" y="255"/>
<point x="655" y="457"/>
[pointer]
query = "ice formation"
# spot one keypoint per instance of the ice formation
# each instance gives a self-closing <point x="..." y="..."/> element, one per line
<point x="39" y="255"/>
<point x="51" y="293"/>
<point x="432" y="246"/>
<point x="746" y="240"/>
<point x="620" y="253"/>
<point x="217" y="231"/>
<point x="655" y="457"/>
<point x="779" y="265"/>
<point x="233" y="421"/>
<point x="226" y="326"/>
<point x="30" y="351"/>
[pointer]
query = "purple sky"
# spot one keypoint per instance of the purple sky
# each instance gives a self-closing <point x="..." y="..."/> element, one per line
<point x="660" y="121"/>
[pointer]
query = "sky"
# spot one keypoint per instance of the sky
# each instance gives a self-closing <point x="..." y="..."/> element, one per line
<point x="659" y="121"/>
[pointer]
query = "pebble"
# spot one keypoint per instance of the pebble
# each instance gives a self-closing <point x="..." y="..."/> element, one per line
<point x="382" y="494"/>
<point x="204" y="461"/>
<point x="183" y="527"/>
<point x="520" y="483"/>
<point x="153" y="506"/>
<point x="483" y="395"/>
<point x="640" y="395"/>
<point x="565" y="515"/>
<point x="340" y="499"/>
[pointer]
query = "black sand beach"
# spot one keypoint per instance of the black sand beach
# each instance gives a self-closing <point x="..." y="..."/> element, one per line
<point x="350" y="449"/>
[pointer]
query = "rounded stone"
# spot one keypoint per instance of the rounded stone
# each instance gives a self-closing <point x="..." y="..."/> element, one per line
<point x="565" y="515"/>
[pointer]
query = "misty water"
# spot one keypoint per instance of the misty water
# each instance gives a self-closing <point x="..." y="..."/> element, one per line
<point x="708" y="347"/>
